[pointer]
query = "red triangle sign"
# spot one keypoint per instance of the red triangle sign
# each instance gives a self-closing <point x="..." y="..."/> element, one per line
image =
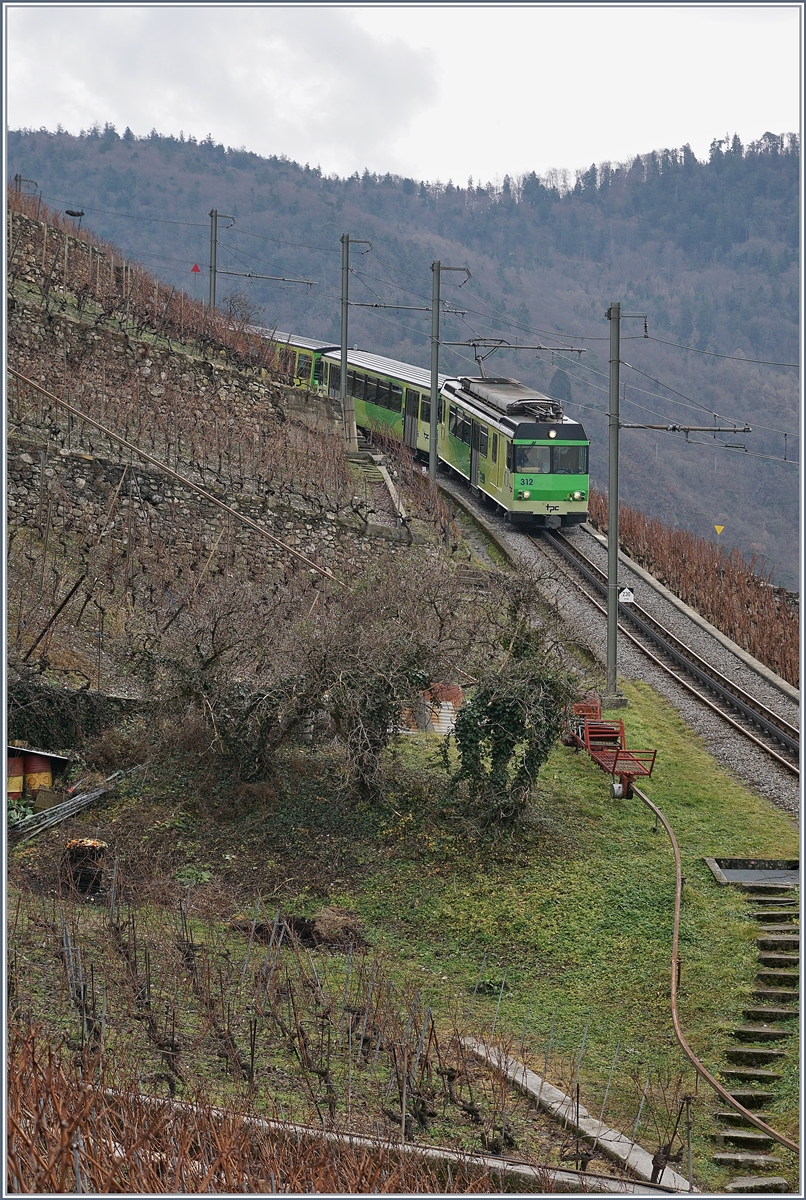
<point x="195" y="268"/>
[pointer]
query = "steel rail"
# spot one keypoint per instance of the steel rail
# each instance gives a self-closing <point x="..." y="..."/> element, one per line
<point x="777" y="726"/>
<point x="701" y="1070"/>
<point x="753" y="711"/>
<point x="684" y="683"/>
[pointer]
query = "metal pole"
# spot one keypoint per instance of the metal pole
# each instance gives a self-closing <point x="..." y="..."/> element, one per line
<point x="347" y="405"/>
<point x="688" y="1144"/>
<point x="213" y="241"/>
<point x="436" y="268"/>
<point x="614" y="317"/>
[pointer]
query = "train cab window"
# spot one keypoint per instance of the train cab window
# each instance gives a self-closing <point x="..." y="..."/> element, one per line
<point x="396" y="398"/>
<point x="484" y="442"/>
<point x="570" y="460"/>
<point x="533" y="458"/>
<point x="442" y="412"/>
<point x="494" y="454"/>
<point x="304" y="362"/>
<point x="425" y="412"/>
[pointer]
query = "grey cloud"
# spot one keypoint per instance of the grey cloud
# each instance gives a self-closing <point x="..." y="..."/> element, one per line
<point x="307" y="82"/>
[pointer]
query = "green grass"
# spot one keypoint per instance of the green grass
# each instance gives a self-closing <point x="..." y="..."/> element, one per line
<point x="574" y="908"/>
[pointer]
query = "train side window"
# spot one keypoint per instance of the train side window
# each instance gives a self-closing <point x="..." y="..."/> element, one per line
<point x="425" y="412"/>
<point x="467" y="430"/>
<point x="509" y="456"/>
<point x="372" y="393"/>
<point x="334" y="384"/>
<point x="304" y="367"/>
<point x="484" y="442"/>
<point x="452" y="421"/>
<point x="396" y="398"/>
<point x="358" y="386"/>
<point x="442" y="412"/>
<point x="494" y="454"/>
<point x="318" y="372"/>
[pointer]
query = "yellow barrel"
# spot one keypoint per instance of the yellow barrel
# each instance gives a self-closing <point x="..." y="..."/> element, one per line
<point x="38" y="772"/>
<point x="16" y="774"/>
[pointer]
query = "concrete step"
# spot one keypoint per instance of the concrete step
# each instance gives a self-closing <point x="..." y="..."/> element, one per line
<point x="774" y="913"/>
<point x="729" y="1116"/>
<point x="772" y="995"/>
<point x="769" y="889"/>
<point x="734" y="1158"/>
<point x="751" y="1097"/>
<point x="761" y="1033"/>
<point x="778" y="941"/>
<point x="777" y="977"/>
<point x="781" y="962"/>
<point x="747" y="1184"/>
<point x="747" y="1139"/>
<point x="765" y="1015"/>
<point x="789" y="899"/>
<point x="754" y="1056"/>
<point x="749" y="1075"/>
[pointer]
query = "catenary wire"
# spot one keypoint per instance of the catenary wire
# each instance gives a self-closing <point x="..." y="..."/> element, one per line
<point x="733" y="357"/>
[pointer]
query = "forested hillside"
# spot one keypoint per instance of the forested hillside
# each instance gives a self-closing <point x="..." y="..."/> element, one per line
<point x="707" y="250"/>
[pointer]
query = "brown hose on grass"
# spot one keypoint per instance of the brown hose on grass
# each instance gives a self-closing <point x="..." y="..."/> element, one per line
<point x="698" y="1066"/>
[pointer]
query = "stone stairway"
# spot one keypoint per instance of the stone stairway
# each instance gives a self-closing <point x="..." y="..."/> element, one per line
<point x="763" y="1043"/>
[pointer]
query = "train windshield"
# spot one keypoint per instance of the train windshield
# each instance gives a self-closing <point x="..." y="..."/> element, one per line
<point x="570" y="460"/>
<point x="533" y="458"/>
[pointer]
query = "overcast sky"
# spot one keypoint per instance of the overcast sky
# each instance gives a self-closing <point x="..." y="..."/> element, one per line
<point x="432" y="91"/>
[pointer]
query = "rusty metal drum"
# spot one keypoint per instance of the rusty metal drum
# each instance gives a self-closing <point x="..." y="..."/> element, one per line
<point x="38" y="772"/>
<point x="16" y="776"/>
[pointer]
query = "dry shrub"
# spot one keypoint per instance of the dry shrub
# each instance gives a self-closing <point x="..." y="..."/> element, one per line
<point x="338" y="928"/>
<point x="68" y="1135"/>
<point x="118" y="748"/>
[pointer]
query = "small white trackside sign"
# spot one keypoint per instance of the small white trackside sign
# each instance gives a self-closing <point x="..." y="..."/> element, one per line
<point x="626" y="596"/>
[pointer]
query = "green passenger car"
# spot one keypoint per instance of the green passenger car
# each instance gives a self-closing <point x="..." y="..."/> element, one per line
<point x="516" y="446"/>
<point x="300" y="357"/>
<point x="389" y="395"/>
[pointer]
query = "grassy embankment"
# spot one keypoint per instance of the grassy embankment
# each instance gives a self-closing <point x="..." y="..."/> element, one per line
<point x="575" y="908"/>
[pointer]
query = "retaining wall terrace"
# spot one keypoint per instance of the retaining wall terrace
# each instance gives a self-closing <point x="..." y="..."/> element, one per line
<point x="87" y="493"/>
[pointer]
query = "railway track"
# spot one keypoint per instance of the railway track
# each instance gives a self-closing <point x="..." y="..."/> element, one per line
<point x="731" y="702"/>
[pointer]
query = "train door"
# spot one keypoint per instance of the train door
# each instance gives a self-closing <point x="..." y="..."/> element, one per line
<point x="410" y="418"/>
<point x="474" y="454"/>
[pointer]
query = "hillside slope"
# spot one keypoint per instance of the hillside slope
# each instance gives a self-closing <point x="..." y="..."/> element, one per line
<point x="708" y="251"/>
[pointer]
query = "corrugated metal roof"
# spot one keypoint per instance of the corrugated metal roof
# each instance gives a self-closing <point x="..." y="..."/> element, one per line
<point x="292" y="339"/>
<point x="416" y="376"/>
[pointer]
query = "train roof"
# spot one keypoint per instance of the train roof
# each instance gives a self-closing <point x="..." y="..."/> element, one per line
<point x="292" y="339"/>
<point x="511" y="398"/>
<point x="416" y="376"/>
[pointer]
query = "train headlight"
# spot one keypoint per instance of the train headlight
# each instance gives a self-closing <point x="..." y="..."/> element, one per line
<point x="526" y="495"/>
<point x="552" y="433"/>
<point x="579" y="496"/>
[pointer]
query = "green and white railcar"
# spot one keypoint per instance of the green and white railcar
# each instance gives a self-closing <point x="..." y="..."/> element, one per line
<point x="389" y="395"/>
<point x="516" y="446"/>
<point x="300" y="357"/>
